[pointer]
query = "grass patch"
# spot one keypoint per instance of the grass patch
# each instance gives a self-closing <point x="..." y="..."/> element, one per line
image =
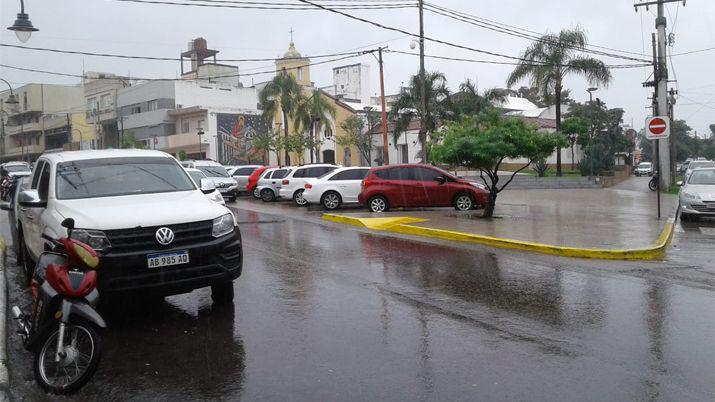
<point x="551" y="172"/>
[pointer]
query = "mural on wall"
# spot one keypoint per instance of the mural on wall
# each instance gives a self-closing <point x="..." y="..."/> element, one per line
<point x="235" y="137"/>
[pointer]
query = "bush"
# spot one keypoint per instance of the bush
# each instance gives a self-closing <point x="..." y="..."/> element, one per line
<point x="601" y="160"/>
<point x="540" y="167"/>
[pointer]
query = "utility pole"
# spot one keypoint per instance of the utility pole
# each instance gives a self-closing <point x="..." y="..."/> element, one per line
<point x="383" y="112"/>
<point x="673" y="150"/>
<point x="660" y="79"/>
<point x="423" y="94"/>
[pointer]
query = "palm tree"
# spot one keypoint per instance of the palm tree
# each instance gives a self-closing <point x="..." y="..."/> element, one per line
<point x="407" y="107"/>
<point x="549" y="60"/>
<point x="311" y="115"/>
<point x="468" y="101"/>
<point x="282" y="93"/>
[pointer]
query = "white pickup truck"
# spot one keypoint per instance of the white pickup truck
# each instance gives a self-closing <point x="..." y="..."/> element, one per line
<point x="152" y="225"/>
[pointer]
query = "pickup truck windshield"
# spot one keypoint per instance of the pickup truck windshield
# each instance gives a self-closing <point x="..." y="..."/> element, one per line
<point x="17" y="168"/>
<point x="213" y="171"/>
<point x="119" y="176"/>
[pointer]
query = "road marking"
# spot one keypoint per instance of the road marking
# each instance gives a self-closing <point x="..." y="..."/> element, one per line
<point x="707" y="231"/>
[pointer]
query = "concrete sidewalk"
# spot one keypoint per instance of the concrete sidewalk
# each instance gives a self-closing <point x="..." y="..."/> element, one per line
<point x="621" y="217"/>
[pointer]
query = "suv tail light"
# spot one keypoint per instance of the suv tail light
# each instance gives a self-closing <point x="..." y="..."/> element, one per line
<point x="285" y="182"/>
<point x="308" y="186"/>
<point x="365" y="182"/>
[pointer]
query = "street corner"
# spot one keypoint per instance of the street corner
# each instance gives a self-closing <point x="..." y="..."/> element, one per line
<point x="381" y="223"/>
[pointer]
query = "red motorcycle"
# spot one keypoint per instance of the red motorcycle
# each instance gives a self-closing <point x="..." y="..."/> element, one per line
<point x="61" y="328"/>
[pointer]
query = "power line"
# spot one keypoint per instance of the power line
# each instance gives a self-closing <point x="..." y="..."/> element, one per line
<point x="695" y="51"/>
<point x="476" y="21"/>
<point x="123" y="56"/>
<point x="519" y="30"/>
<point x="502" y="62"/>
<point x="208" y="78"/>
<point x="268" y="6"/>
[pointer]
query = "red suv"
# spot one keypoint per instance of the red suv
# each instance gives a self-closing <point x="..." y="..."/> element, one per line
<point x="397" y="186"/>
<point x="252" y="185"/>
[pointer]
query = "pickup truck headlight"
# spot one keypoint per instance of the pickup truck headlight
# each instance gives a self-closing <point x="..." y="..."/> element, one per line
<point x="93" y="238"/>
<point x="223" y="225"/>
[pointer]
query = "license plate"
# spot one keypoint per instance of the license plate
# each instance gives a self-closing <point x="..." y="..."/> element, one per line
<point x="223" y="190"/>
<point x="167" y="259"/>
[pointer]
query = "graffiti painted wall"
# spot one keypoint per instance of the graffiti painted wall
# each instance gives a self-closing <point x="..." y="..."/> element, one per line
<point x="235" y="136"/>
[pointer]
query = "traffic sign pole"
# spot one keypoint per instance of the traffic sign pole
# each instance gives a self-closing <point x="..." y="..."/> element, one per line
<point x="657" y="182"/>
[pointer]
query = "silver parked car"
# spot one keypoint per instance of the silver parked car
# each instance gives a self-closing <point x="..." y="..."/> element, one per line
<point x="698" y="164"/>
<point x="241" y="174"/>
<point x="270" y="183"/>
<point x="644" y="169"/>
<point x="697" y="194"/>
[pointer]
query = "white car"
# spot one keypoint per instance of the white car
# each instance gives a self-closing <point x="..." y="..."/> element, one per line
<point x="698" y="164"/>
<point x="196" y="176"/>
<point x="270" y="182"/>
<point x="340" y="186"/>
<point x="293" y="185"/>
<point x="216" y="172"/>
<point x="644" y="169"/>
<point x="697" y="194"/>
<point x="153" y="228"/>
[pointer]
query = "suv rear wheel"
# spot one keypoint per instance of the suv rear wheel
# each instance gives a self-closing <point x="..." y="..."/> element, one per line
<point x="331" y="200"/>
<point x="298" y="198"/>
<point x="28" y="267"/>
<point x="378" y="203"/>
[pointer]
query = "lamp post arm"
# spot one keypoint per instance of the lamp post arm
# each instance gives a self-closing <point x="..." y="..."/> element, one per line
<point x="8" y="84"/>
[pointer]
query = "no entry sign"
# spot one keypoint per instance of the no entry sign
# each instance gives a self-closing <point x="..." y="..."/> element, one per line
<point x="657" y="127"/>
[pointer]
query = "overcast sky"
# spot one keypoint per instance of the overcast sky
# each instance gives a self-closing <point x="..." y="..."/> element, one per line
<point x="164" y="30"/>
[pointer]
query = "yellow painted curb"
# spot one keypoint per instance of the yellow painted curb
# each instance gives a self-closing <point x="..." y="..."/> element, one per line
<point x="401" y="225"/>
<point x="2" y="244"/>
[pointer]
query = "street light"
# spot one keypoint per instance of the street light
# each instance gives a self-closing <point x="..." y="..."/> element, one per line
<point x="590" y="113"/>
<point x="12" y="99"/>
<point x="80" y="137"/>
<point x="23" y="27"/>
<point x="200" y="133"/>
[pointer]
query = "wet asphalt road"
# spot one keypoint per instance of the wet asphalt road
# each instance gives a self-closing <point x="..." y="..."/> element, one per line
<point x="324" y="312"/>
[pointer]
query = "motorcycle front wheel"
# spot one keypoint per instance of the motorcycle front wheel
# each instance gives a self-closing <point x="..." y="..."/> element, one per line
<point x="82" y="351"/>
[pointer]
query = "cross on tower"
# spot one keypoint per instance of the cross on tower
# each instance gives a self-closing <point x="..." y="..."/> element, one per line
<point x="291" y="34"/>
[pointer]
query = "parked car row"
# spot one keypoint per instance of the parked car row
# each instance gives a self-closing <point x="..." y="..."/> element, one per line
<point x="377" y="188"/>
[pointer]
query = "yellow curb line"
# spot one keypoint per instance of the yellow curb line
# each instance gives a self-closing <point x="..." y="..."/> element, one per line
<point x="2" y="244"/>
<point x="401" y="225"/>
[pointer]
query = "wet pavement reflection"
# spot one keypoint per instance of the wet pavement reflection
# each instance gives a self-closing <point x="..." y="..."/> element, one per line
<point x="328" y="313"/>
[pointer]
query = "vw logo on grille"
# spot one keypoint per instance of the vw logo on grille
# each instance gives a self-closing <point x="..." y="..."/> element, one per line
<point x="164" y="236"/>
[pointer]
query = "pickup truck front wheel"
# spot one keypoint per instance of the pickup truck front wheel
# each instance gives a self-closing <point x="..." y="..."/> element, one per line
<point x="222" y="293"/>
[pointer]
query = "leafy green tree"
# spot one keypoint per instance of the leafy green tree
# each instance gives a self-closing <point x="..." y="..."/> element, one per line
<point x="283" y="94"/>
<point x="182" y="155"/>
<point x="408" y="107"/>
<point x="357" y="136"/>
<point x="548" y="61"/>
<point x="574" y="128"/>
<point x="311" y="116"/>
<point x="129" y="141"/>
<point x="268" y="142"/>
<point x="296" y="143"/>
<point x="607" y="130"/>
<point x="484" y="141"/>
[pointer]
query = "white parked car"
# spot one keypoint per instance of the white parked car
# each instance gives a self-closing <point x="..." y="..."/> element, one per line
<point x="697" y="194"/>
<point x="644" y="169"/>
<point x="197" y="176"/>
<point x="340" y="186"/>
<point x="216" y="172"/>
<point x="293" y="185"/>
<point x="698" y="164"/>
<point x="269" y="184"/>
<point x="241" y="174"/>
<point x="154" y="229"/>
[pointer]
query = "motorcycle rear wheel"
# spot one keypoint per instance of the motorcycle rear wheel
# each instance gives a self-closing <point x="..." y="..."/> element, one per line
<point x="83" y="348"/>
<point x="653" y="184"/>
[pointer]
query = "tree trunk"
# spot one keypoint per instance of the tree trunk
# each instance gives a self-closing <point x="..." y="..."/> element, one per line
<point x="285" y="134"/>
<point x="491" y="203"/>
<point x="572" y="156"/>
<point x="312" y="140"/>
<point x="557" y="96"/>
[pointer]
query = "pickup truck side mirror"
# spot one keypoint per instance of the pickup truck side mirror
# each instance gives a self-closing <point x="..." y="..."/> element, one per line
<point x="207" y="186"/>
<point x="679" y="183"/>
<point x="31" y="199"/>
<point x="440" y="179"/>
<point x="5" y="206"/>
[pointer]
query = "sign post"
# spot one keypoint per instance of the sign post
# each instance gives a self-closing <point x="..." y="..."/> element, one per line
<point x="657" y="128"/>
